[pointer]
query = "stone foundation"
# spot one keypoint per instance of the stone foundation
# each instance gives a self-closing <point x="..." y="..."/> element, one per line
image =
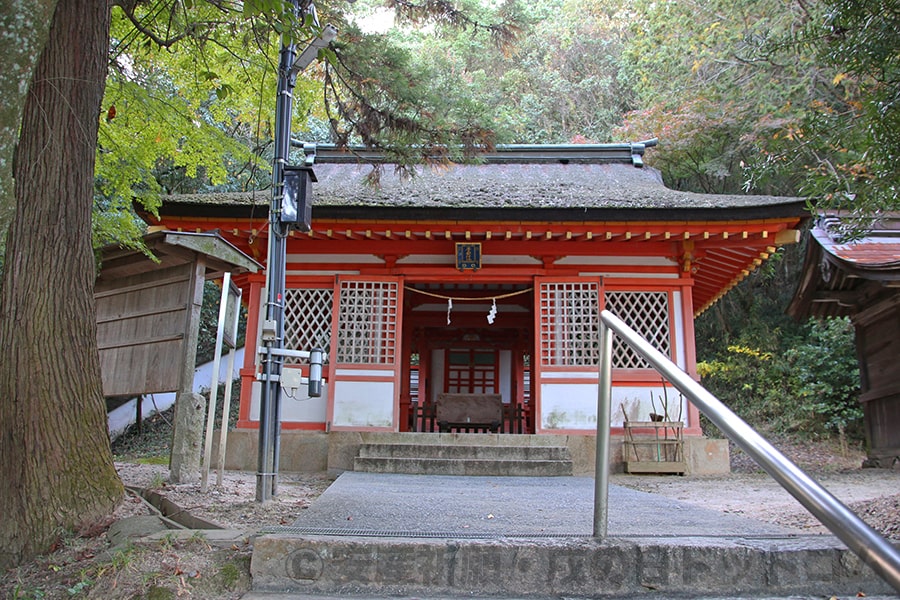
<point x="313" y="451"/>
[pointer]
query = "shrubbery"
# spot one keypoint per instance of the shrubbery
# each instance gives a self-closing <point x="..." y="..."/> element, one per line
<point x="810" y="389"/>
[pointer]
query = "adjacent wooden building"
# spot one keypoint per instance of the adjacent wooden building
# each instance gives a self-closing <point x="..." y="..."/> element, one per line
<point x="148" y="309"/>
<point x="486" y="280"/>
<point x="860" y="279"/>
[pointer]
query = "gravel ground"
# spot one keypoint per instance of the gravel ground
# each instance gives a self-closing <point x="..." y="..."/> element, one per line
<point x="874" y="494"/>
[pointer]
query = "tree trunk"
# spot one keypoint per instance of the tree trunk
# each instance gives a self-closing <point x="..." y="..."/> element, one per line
<point x="25" y="24"/>
<point x="55" y="462"/>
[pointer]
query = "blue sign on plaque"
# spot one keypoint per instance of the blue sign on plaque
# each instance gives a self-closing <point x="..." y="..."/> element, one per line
<point x="468" y="256"/>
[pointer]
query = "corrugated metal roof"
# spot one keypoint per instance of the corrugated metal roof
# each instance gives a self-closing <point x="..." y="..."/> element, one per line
<point x="879" y="249"/>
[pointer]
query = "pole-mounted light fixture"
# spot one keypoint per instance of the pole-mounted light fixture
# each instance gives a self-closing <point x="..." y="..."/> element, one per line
<point x="296" y="204"/>
<point x="329" y="32"/>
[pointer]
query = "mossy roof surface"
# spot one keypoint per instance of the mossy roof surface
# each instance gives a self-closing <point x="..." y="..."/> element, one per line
<point x="496" y="186"/>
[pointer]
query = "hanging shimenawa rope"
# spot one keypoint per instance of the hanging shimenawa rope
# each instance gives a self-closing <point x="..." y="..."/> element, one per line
<point x="492" y="297"/>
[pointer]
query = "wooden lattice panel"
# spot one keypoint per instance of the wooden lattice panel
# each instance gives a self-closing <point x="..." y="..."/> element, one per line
<point x="570" y="323"/>
<point x="307" y="320"/>
<point x="648" y="314"/>
<point x="367" y="322"/>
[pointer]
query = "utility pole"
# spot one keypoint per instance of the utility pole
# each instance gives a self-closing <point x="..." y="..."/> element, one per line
<point x="290" y="208"/>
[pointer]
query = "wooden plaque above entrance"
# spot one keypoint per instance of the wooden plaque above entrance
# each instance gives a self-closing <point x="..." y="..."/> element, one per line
<point x="468" y="256"/>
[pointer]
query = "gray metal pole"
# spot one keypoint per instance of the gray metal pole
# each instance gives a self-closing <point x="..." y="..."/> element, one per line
<point x="270" y="400"/>
<point x="864" y="541"/>
<point x="604" y="401"/>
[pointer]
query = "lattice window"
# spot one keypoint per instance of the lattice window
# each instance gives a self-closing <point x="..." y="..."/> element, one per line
<point x="648" y="314"/>
<point x="307" y="320"/>
<point x="367" y="322"/>
<point x="570" y="323"/>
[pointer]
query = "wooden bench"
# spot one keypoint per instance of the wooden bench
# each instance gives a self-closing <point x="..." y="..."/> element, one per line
<point x="469" y="413"/>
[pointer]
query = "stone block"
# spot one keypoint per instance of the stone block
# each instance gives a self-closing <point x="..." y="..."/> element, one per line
<point x="187" y="440"/>
<point x="563" y="567"/>
<point x="343" y="446"/>
<point x="707" y="456"/>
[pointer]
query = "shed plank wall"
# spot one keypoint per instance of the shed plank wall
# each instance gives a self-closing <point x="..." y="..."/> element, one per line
<point x="879" y="343"/>
<point x="140" y="331"/>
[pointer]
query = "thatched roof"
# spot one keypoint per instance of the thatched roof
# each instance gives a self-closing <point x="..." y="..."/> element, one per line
<point x="538" y="189"/>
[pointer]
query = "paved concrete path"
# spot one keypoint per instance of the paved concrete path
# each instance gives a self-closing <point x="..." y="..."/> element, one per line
<point x="416" y="505"/>
<point x="433" y="537"/>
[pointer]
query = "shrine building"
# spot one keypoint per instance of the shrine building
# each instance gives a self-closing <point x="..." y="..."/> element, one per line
<point x="485" y="281"/>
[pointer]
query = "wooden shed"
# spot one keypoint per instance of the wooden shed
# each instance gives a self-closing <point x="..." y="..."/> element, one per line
<point x="148" y="310"/>
<point x="860" y="279"/>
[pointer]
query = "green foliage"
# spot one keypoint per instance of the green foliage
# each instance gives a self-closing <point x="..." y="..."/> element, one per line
<point x="79" y="587"/>
<point x="229" y="574"/>
<point x="378" y="93"/>
<point x="715" y="84"/>
<point x="826" y="374"/>
<point x="209" y="323"/>
<point x="158" y="592"/>
<point x="190" y="97"/>
<point x="855" y="134"/>
<point x="811" y="388"/>
<point x="560" y="81"/>
<point x="753" y="313"/>
<point x="181" y="110"/>
<point x="21" y="593"/>
<point x="779" y="375"/>
<point x="153" y="460"/>
<point x="761" y="96"/>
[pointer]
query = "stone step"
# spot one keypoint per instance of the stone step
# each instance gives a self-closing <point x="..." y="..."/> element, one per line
<point x="460" y="451"/>
<point x="459" y="466"/>
<point x="696" y="567"/>
<point x="464" y="459"/>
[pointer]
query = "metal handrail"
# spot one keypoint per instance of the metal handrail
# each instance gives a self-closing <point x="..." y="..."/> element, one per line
<point x="862" y="540"/>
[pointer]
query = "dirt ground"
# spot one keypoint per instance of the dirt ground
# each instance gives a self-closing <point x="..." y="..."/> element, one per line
<point x="86" y="566"/>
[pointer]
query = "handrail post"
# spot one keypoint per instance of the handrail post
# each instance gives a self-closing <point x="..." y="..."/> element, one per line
<point x="604" y="401"/>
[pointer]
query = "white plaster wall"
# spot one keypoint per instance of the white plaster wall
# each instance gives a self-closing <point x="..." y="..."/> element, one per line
<point x="568" y="406"/>
<point x="636" y="402"/>
<point x="363" y="404"/>
<point x="680" y="347"/>
<point x="300" y="409"/>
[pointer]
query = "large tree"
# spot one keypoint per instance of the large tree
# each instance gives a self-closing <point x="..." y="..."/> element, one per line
<point x="719" y="86"/>
<point x="25" y="26"/>
<point x="55" y="460"/>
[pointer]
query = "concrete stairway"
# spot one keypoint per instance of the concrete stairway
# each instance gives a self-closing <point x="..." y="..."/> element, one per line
<point x="464" y="459"/>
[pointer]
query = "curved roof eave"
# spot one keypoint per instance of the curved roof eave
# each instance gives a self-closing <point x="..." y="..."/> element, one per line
<point x="876" y="256"/>
<point x="792" y="209"/>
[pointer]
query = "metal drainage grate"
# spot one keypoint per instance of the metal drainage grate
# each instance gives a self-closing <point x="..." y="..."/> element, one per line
<point x="339" y="532"/>
<point x="475" y="535"/>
